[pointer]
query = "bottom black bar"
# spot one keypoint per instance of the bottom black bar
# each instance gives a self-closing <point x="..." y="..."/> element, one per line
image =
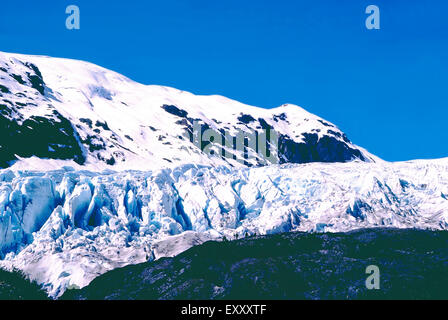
<point x="211" y="309"/>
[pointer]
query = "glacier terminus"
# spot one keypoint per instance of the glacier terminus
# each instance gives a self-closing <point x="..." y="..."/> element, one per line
<point x="98" y="173"/>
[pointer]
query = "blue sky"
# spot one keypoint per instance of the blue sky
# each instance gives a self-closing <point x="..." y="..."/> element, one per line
<point x="387" y="88"/>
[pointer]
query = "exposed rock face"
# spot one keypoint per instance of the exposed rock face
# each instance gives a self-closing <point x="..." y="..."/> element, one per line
<point x="412" y="265"/>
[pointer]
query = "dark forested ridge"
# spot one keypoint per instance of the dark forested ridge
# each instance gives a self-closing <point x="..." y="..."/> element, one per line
<point x="413" y="265"/>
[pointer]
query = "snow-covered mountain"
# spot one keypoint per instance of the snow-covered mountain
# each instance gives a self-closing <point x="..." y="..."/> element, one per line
<point x="118" y="178"/>
<point x="72" y="110"/>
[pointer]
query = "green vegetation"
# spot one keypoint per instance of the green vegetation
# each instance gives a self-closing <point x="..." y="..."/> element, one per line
<point x="413" y="265"/>
<point x="14" y="286"/>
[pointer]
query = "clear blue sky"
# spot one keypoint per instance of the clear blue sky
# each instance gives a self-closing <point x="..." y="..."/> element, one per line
<point x="387" y="89"/>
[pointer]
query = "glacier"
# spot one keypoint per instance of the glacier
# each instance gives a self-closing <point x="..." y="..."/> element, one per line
<point x="65" y="227"/>
<point x="98" y="172"/>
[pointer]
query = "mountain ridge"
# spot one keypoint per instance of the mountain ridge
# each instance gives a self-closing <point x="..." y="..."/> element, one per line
<point x="288" y="266"/>
<point x="87" y="115"/>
